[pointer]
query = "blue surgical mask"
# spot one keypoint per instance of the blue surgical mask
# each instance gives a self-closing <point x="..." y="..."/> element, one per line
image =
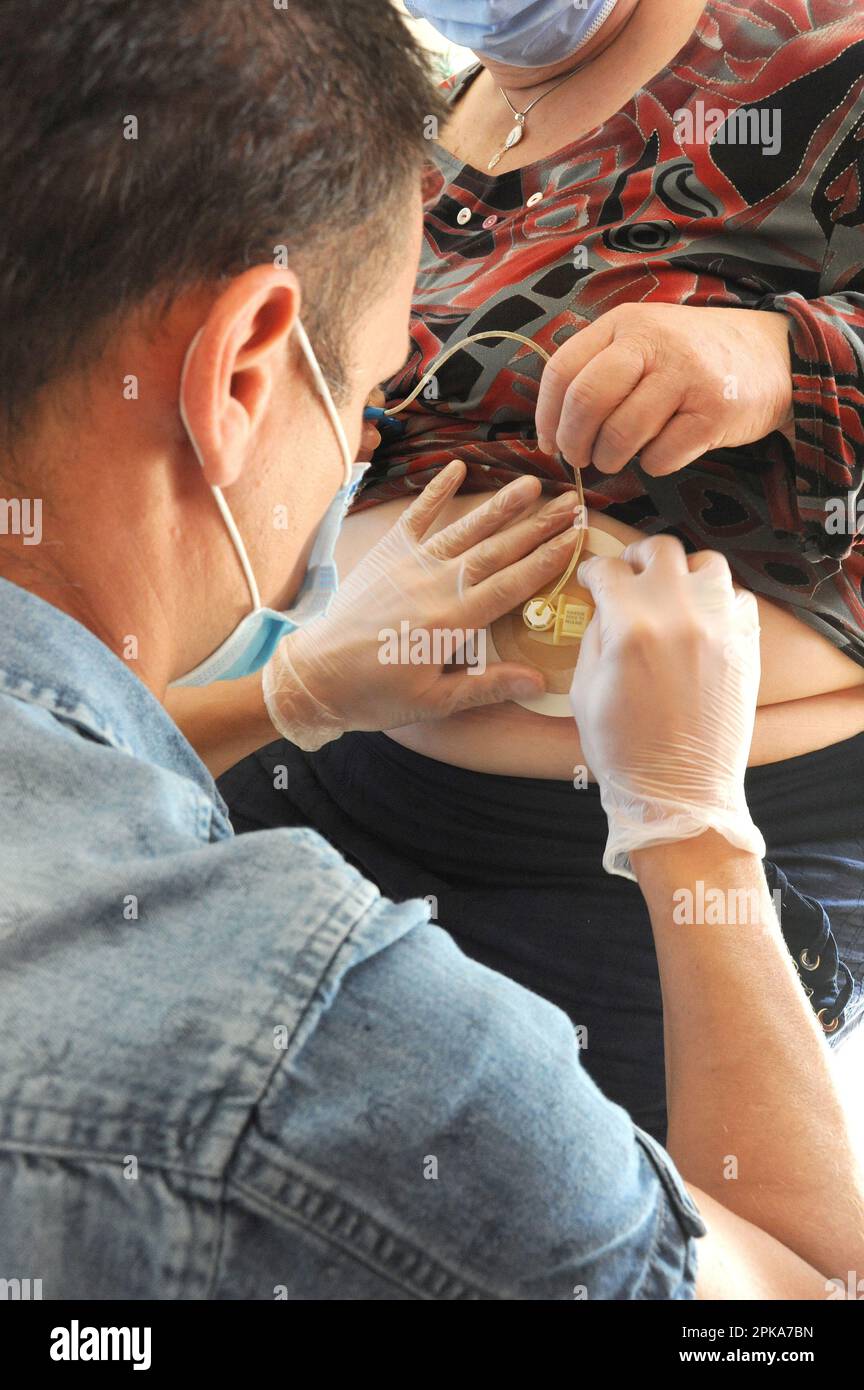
<point x="254" y="639"/>
<point x="523" y="33"/>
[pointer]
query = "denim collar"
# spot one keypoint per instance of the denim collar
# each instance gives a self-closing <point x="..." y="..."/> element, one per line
<point x="51" y="660"/>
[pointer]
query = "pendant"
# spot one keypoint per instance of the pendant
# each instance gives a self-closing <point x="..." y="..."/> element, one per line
<point x="512" y="139"/>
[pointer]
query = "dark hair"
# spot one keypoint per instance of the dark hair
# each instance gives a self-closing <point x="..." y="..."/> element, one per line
<point x="260" y="124"/>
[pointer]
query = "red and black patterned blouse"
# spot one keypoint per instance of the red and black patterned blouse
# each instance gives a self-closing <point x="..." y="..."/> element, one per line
<point x="627" y="214"/>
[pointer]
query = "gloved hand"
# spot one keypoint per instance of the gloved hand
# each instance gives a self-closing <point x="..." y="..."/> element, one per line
<point x="664" y="694"/>
<point x="335" y="675"/>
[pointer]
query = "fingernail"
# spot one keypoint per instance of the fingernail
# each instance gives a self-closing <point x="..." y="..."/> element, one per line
<point x="526" y="688"/>
<point x="545" y="445"/>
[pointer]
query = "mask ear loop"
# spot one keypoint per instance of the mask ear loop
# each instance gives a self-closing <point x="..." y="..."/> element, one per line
<point x="221" y="503"/>
<point x="327" y="397"/>
<point x="543" y="602"/>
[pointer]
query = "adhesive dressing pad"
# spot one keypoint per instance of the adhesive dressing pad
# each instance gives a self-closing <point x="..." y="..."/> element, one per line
<point x="555" y="648"/>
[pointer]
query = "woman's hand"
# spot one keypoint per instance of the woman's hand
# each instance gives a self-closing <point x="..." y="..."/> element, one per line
<point x="669" y="382"/>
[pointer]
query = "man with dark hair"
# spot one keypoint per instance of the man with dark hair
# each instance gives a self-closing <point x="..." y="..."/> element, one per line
<point x="155" y="154"/>
<point x="230" y="1068"/>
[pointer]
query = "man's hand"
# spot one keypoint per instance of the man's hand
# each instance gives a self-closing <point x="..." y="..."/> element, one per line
<point x="664" y="694"/>
<point x="384" y="655"/>
<point x="669" y="382"/>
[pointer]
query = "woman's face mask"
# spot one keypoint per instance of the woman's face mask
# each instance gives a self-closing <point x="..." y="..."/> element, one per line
<point x="522" y="33"/>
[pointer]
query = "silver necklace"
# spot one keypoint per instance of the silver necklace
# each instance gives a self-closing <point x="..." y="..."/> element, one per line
<point x="518" y="130"/>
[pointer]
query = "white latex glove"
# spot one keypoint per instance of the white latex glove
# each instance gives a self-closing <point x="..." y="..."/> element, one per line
<point x="329" y="677"/>
<point x="664" y="694"/>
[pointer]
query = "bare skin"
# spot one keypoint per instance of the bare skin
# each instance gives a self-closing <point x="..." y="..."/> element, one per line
<point x="732" y="1055"/>
<point x="811" y="695"/>
<point x="642" y="36"/>
<point x="171" y="579"/>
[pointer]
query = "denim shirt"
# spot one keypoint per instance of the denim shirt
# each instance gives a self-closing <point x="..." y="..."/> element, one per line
<point x="232" y="1070"/>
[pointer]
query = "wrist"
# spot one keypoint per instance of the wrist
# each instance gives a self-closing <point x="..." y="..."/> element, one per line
<point x="679" y="861"/>
<point x="778" y="325"/>
<point x="294" y="711"/>
<point x="706" y="882"/>
<point x="665" y="819"/>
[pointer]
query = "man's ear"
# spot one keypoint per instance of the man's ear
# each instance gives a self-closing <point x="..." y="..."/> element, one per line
<point x="232" y="365"/>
